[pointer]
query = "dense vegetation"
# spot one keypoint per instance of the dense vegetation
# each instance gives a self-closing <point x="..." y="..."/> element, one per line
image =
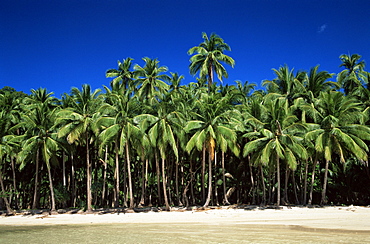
<point x="148" y="140"/>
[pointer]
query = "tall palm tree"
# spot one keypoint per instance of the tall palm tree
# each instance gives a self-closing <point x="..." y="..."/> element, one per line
<point x="6" y="148"/>
<point x="161" y="135"/>
<point x="76" y="124"/>
<point x="40" y="139"/>
<point x="210" y="129"/>
<point x="122" y="76"/>
<point x="318" y="82"/>
<point x="353" y="75"/>
<point x="279" y="140"/>
<point x="151" y="79"/>
<point x="208" y="58"/>
<point x="338" y="130"/>
<point x="286" y="83"/>
<point x="118" y="126"/>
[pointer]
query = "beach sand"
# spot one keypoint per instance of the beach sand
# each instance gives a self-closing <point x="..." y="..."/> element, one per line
<point x="335" y="218"/>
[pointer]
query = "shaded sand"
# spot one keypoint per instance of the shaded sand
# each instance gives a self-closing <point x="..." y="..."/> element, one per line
<point x="351" y="218"/>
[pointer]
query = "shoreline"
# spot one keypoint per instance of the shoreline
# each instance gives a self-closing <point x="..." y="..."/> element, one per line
<point x="350" y="218"/>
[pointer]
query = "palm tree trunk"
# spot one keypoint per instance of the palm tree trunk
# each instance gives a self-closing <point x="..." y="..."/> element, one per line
<point x="312" y="180"/>
<point x="287" y="172"/>
<point x="35" y="203"/>
<point x="323" y="194"/>
<point x="278" y="179"/>
<point x="8" y="208"/>
<point x="295" y="188"/>
<point x="164" y="185"/>
<point x="305" y="183"/>
<point x="125" y="184"/>
<point x="64" y="170"/>
<point x="129" y="175"/>
<point x="210" y="77"/>
<point x="73" y="182"/>
<point x="51" y="189"/>
<point x="144" y="179"/>
<point x="203" y="172"/>
<point x="216" y="188"/>
<point x="263" y="186"/>
<point x="191" y="183"/>
<point x="158" y="177"/>
<point x="88" y="176"/>
<point x="104" y="176"/>
<point x="14" y="183"/>
<point x="252" y="181"/>
<point x="226" y="201"/>
<point x="209" y="181"/>
<point x="177" y="183"/>
<point x="116" y="177"/>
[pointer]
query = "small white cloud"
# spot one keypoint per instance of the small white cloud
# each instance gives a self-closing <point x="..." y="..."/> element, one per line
<point x="322" y="28"/>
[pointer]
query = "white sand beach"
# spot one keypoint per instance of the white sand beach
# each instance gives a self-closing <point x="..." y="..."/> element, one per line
<point x="336" y="218"/>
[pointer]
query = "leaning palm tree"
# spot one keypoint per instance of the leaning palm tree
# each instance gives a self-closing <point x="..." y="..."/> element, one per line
<point x="76" y="124"/>
<point x="338" y="130"/>
<point x="208" y="58"/>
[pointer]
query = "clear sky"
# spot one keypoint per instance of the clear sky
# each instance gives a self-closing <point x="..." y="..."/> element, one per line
<point x="63" y="44"/>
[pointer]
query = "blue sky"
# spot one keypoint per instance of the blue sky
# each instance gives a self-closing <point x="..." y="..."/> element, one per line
<point x="63" y="44"/>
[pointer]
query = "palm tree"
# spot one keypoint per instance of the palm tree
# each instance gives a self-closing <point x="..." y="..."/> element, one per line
<point x="210" y="127"/>
<point x="286" y="83"/>
<point x="338" y="130"/>
<point x="318" y="82"/>
<point x="123" y="76"/>
<point x="151" y="80"/>
<point x="208" y="58"/>
<point x="353" y="75"/>
<point x="39" y="137"/>
<point x="118" y="126"/>
<point x="161" y="135"/>
<point x="278" y="140"/>
<point x="6" y="148"/>
<point x="77" y="123"/>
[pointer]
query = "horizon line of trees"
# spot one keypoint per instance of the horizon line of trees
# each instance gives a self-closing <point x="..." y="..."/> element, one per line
<point x="148" y="140"/>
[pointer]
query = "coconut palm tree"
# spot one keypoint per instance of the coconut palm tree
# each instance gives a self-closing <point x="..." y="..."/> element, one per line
<point x="151" y="80"/>
<point x="317" y="82"/>
<point x="353" y="74"/>
<point x="118" y="126"/>
<point x="40" y="139"/>
<point x="161" y="125"/>
<point x="122" y="76"/>
<point x="76" y="124"/>
<point x="338" y="130"/>
<point x="6" y="148"/>
<point x="279" y="139"/>
<point x="208" y="58"/>
<point x="286" y="83"/>
<point x="209" y="130"/>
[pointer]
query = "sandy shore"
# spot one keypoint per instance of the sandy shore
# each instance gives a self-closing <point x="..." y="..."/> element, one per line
<point x="339" y="218"/>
